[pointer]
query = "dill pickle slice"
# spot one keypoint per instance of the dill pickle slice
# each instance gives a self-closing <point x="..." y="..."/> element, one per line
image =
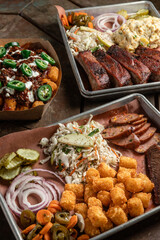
<point x="3" y="159"/>
<point x="123" y="13"/>
<point x="15" y="162"/>
<point x="28" y="155"/>
<point x="9" y="174"/>
<point x="25" y="169"/>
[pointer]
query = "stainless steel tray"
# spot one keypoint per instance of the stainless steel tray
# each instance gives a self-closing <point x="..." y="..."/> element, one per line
<point x="112" y="92"/>
<point x="150" y="111"/>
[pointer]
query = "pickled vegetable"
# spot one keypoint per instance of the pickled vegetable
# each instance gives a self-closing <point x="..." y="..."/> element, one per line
<point x="62" y="217"/>
<point x="3" y="159"/>
<point x="60" y="232"/>
<point x="15" y="162"/>
<point x="34" y="232"/>
<point x="9" y="174"/>
<point x="27" y="218"/>
<point x="10" y="157"/>
<point x="123" y="13"/>
<point x="28" y="155"/>
<point x="140" y="14"/>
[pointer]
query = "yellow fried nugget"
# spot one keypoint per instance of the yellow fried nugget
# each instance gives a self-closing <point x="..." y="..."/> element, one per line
<point x="144" y="197"/>
<point x="132" y="171"/>
<point x="118" y="196"/>
<point x="53" y="74"/>
<point x="78" y="189"/>
<point x="135" y="207"/>
<point x="91" y="174"/>
<point x="125" y="173"/>
<point x="82" y="209"/>
<point x="21" y="108"/>
<point x="89" y="229"/>
<point x="104" y="197"/>
<point x="97" y="216"/>
<point x="9" y="104"/>
<point x="93" y="201"/>
<point x="52" y="84"/>
<point x="128" y="162"/>
<point x="123" y="206"/>
<point x="107" y="226"/>
<point x="106" y="171"/>
<point x="88" y="192"/>
<point x="68" y="200"/>
<point x="148" y="185"/>
<point x="122" y="186"/>
<point x="37" y="103"/>
<point x="117" y="215"/>
<point x="103" y="184"/>
<point x="134" y="185"/>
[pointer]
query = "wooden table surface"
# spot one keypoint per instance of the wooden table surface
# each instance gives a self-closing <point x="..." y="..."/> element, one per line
<point x="37" y="18"/>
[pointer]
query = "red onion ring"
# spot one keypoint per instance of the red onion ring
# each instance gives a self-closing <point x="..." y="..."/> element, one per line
<point x="25" y="185"/>
<point x="101" y="20"/>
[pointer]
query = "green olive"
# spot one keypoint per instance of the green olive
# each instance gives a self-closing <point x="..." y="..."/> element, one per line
<point x="34" y="232"/>
<point x="62" y="217"/>
<point x="60" y="232"/>
<point x="27" y="218"/>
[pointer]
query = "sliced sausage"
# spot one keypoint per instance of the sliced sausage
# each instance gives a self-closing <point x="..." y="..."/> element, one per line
<point x="147" y="135"/>
<point x="132" y="141"/>
<point x="142" y="120"/>
<point x="145" y="146"/>
<point x="117" y="132"/>
<point x="124" y="118"/>
<point x="137" y="127"/>
<point x="143" y="129"/>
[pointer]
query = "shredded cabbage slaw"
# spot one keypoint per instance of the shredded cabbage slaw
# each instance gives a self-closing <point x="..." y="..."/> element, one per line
<point x="72" y="162"/>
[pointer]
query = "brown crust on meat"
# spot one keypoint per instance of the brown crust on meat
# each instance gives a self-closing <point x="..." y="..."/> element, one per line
<point x="142" y="120"/>
<point x="131" y="142"/>
<point x="124" y="119"/>
<point x="147" y="135"/>
<point x="142" y="129"/>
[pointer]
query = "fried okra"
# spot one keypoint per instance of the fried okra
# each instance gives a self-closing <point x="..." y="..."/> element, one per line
<point x="106" y="171"/>
<point x="135" y="207"/>
<point x="68" y="200"/>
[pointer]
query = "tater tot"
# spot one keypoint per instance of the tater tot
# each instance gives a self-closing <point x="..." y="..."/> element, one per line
<point x="104" y="197"/>
<point x="117" y="215"/>
<point x="82" y="209"/>
<point x="9" y="104"/>
<point x="128" y="162"/>
<point x="103" y="184"/>
<point x="148" y="185"/>
<point x="122" y="186"/>
<point x="91" y="174"/>
<point x="88" y="192"/>
<point x="135" y="207"/>
<point x="22" y="108"/>
<point x="97" y="216"/>
<point x="106" y="171"/>
<point x="37" y="103"/>
<point x="89" y="229"/>
<point x="106" y="226"/>
<point x="123" y="206"/>
<point x="118" y="196"/>
<point x="122" y="176"/>
<point x="53" y="74"/>
<point x="134" y="185"/>
<point x="132" y="171"/>
<point x="92" y="201"/>
<point x="68" y="200"/>
<point x="78" y="189"/>
<point x="52" y="84"/>
<point x="144" y="197"/>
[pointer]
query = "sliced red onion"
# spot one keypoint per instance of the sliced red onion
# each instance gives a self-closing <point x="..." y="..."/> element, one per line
<point x="25" y="185"/>
<point x="101" y="21"/>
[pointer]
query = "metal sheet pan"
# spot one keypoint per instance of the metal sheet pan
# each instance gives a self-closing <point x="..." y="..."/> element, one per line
<point x="112" y="92"/>
<point x="150" y="111"/>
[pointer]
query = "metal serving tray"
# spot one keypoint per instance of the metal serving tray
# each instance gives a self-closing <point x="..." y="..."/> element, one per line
<point x="118" y="91"/>
<point x="150" y="111"/>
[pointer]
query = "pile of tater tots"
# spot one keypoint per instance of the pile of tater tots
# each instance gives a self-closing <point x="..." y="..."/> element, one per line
<point x="109" y="198"/>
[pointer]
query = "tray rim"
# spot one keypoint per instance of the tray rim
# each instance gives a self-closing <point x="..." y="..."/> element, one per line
<point x="97" y="110"/>
<point x="119" y="91"/>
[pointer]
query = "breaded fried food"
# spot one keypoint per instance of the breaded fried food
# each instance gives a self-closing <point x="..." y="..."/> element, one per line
<point x="107" y="226"/>
<point x="37" y="103"/>
<point x="103" y="184"/>
<point x="53" y="74"/>
<point x="82" y="209"/>
<point x="89" y="229"/>
<point x="97" y="216"/>
<point x="88" y="192"/>
<point x="118" y="196"/>
<point x="148" y="185"/>
<point x="78" y="189"/>
<point x="9" y="104"/>
<point x="91" y="174"/>
<point x="93" y="201"/>
<point x="134" y="185"/>
<point x="135" y="207"/>
<point x="128" y="162"/>
<point x="104" y="197"/>
<point x="123" y="206"/>
<point x="52" y="84"/>
<point x="132" y="171"/>
<point x="144" y="197"/>
<point x="122" y="186"/>
<point x="122" y="176"/>
<point x="68" y="200"/>
<point x="106" y="171"/>
<point x="117" y="215"/>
